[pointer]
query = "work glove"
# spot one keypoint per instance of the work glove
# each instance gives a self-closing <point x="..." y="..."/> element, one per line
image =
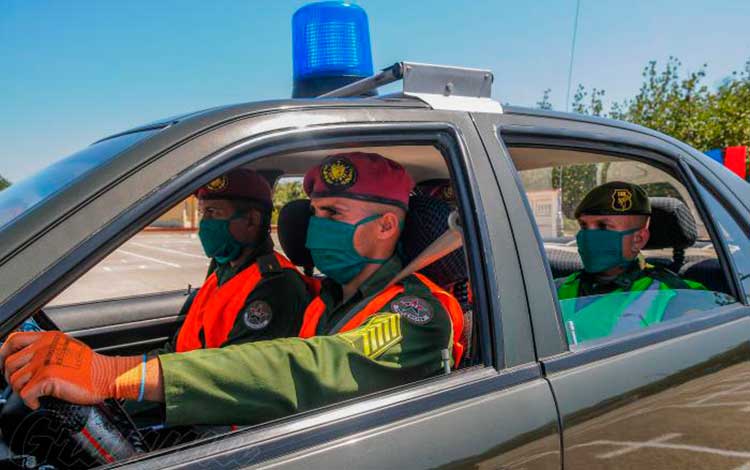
<point x="53" y="364"/>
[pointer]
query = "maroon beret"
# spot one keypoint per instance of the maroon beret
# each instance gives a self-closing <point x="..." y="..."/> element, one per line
<point x="239" y="183"/>
<point x="363" y="176"/>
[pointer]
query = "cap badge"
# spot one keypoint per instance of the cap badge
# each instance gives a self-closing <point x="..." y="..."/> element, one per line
<point x="218" y="184"/>
<point x="338" y="174"/>
<point x="622" y="200"/>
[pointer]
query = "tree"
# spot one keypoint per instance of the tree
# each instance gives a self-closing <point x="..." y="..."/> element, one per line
<point x="3" y="183"/>
<point x="283" y="193"/>
<point x="680" y="105"/>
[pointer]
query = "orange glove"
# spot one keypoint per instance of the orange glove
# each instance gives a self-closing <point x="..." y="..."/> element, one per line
<point x="51" y="363"/>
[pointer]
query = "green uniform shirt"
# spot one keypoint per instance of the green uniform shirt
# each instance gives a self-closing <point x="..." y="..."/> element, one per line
<point x="252" y="383"/>
<point x="283" y="292"/>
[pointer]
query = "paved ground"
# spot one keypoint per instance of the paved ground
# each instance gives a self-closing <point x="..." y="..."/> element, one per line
<point x="150" y="262"/>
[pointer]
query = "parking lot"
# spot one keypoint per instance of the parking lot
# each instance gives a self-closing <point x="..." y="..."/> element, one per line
<point x="149" y="262"/>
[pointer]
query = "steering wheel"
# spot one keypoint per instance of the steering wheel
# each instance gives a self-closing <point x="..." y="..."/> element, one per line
<point x="67" y="435"/>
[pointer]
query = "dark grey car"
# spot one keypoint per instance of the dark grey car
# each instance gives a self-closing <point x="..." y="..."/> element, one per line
<point x="675" y="395"/>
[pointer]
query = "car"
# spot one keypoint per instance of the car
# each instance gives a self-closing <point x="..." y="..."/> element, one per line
<point x="530" y="395"/>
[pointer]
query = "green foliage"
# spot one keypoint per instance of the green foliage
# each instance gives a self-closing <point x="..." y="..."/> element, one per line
<point x="681" y="105"/>
<point x="285" y="192"/>
<point x="545" y="102"/>
<point x="3" y="183"/>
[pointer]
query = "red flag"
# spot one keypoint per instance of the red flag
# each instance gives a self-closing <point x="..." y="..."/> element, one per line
<point x="734" y="159"/>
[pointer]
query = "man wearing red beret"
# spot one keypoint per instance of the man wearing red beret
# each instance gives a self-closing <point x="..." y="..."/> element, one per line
<point x="251" y="293"/>
<point x="360" y="335"/>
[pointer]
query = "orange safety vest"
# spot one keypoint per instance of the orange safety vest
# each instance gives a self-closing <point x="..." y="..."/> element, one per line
<point x="215" y="308"/>
<point x="317" y="307"/>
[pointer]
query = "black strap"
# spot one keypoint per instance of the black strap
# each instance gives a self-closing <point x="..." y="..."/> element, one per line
<point x="268" y="265"/>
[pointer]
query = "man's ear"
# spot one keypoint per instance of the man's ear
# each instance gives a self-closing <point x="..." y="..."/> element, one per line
<point x="388" y="226"/>
<point x="641" y="237"/>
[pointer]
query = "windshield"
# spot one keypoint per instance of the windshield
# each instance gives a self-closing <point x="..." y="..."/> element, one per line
<point x="21" y="197"/>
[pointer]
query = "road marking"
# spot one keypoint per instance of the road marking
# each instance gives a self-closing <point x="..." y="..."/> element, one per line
<point x="167" y="250"/>
<point x="639" y="445"/>
<point x="654" y="444"/>
<point x="746" y="466"/>
<point x="155" y="260"/>
<point x="728" y="391"/>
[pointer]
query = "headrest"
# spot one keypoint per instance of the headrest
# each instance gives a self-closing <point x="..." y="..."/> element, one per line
<point x="426" y="220"/>
<point x="292" y="230"/>
<point x="672" y="225"/>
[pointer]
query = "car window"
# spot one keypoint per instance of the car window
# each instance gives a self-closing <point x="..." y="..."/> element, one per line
<point x="26" y="194"/>
<point x="733" y="234"/>
<point x="677" y="273"/>
<point x="165" y="256"/>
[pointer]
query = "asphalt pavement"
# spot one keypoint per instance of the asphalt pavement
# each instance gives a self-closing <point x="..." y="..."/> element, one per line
<point x="148" y="263"/>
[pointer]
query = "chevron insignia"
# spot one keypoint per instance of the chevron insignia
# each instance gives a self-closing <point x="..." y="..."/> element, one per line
<point x="374" y="338"/>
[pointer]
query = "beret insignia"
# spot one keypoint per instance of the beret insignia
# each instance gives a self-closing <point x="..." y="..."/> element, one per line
<point x="338" y="174"/>
<point x="218" y="184"/>
<point x="257" y="315"/>
<point x="622" y="200"/>
<point x="415" y="309"/>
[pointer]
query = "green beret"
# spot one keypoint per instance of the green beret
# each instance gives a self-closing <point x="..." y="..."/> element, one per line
<point x="615" y="198"/>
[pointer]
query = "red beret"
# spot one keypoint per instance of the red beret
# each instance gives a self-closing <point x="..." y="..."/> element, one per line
<point x="363" y="176"/>
<point x="239" y="183"/>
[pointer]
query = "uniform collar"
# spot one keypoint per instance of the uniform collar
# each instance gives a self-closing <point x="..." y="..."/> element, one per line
<point x="332" y="292"/>
<point x="224" y="272"/>
<point x="632" y="273"/>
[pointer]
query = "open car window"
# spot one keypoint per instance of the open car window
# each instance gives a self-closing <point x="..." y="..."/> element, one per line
<point x="678" y="273"/>
<point x="117" y="306"/>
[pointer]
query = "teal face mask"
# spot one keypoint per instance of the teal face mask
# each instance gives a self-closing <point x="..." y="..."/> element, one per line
<point x="601" y="250"/>
<point x="331" y="244"/>
<point x="218" y="242"/>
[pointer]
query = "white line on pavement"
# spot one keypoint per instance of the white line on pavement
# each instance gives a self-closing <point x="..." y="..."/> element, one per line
<point x="167" y="250"/>
<point x="631" y="447"/>
<point x="155" y="260"/>
<point x="659" y="445"/>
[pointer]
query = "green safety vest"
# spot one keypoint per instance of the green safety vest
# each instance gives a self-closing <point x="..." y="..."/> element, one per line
<point x="644" y="304"/>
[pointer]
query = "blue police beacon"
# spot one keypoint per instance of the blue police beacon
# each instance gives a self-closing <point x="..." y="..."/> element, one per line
<point x="331" y="47"/>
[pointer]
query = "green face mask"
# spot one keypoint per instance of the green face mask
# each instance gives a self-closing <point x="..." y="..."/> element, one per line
<point x="601" y="250"/>
<point x="331" y="244"/>
<point x="218" y="242"/>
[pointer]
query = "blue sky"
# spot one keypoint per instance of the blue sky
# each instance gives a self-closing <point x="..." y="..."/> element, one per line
<point x="72" y="72"/>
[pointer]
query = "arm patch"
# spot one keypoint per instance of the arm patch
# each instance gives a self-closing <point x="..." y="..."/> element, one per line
<point x="374" y="338"/>
<point x="258" y="315"/>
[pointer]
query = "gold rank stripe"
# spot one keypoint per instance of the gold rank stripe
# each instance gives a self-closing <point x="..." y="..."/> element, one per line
<point x="377" y="336"/>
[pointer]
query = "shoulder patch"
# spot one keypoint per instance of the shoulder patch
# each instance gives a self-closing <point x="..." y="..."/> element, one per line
<point x="257" y="315"/>
<point x="374" y="338"/>
<point x="414" y="309"/>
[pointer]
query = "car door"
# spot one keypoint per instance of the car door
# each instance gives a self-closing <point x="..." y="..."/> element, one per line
<point x="670" y="396"/>
<point x="499" y="413"/>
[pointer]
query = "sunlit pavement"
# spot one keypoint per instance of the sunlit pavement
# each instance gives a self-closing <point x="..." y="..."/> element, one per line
<point x="148" y="263"/>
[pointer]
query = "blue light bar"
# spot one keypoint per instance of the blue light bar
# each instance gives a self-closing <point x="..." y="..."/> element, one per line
<point x="331" y="47"/>
<point x="716" y="155"/>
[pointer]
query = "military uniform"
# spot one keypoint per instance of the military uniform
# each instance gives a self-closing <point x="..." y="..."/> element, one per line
<point x="260" y="298"/>
<point x="272" y="310"/>
<point x="595" y="306"/>
<point x="381" y="337"/>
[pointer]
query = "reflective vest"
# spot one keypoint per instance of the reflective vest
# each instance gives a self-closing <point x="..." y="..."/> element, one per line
<point x="317" y="307"/>
<point x="600" y="316"/>
<point x="215" y="308"/>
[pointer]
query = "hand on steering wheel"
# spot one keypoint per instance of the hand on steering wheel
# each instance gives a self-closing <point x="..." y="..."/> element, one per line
<point x="53" y="364"/>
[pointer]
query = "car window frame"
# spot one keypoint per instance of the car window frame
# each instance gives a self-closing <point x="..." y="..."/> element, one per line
<point x="627" y="144"/>
<point x="464" y="384"/>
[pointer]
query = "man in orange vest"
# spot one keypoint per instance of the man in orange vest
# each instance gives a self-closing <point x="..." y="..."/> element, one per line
<point x="251" y="293"/>
<point x="360" y="335"/>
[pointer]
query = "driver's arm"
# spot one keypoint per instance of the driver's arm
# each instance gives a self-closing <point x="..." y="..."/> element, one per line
<point x="240" y="384"/>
